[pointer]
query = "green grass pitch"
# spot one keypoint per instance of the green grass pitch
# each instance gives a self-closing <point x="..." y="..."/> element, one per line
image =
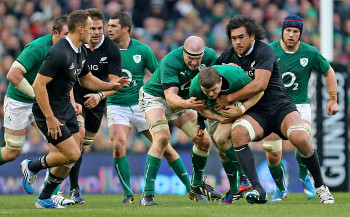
<point x="174" y="205"/>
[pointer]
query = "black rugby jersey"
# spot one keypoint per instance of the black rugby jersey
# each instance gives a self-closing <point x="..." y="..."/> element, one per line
<point x="105" y="59"/>
<point x="261" y="57"/>
<point x="64" y="63"/>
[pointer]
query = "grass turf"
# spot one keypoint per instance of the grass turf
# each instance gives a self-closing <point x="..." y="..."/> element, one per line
<point x="175" y="205"/>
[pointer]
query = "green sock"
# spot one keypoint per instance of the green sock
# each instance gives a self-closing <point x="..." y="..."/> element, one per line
<point x="278" y="175"/>
<point x="1" y="160"/>
<point x="230" y="153"/>
<point x="198" y="164"/>
<point x="181" y="172"/>
<point x="232" y="176"/>
<point x="303" y="171"/>
<point x="122" y="168"/>
<point x="151" y="170"/>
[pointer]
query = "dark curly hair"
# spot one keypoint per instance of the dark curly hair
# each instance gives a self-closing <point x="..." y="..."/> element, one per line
<point x="249" y="23"/>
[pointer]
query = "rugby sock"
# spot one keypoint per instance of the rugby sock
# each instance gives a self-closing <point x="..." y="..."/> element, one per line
<point x="151" y="169"/>
<point x="51" y="185"/>
<point x="1" y="160"/>
<point x="198" y="164"/>
<point x="37" y="165"/>
<point x="277" y="173"/>
<point x="313" y="165"/>
<point x="230" y="153"/>
<point x="55" y="192"/>
<point x="303" y="172"/>
<point x="232" y="175"/>
<point x="74" y="174"/>
<point x="181" y="172"/>
<point x="246" y="160"/>
<point x="122" y="168"/>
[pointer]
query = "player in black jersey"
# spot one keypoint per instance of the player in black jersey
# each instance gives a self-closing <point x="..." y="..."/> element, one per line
<point x="53" y="110"/>
<point x="105" y="63"/>
<point x="275" y="111"/>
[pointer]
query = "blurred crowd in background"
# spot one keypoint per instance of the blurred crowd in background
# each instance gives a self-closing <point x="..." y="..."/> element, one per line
<point x="163" y="25"/>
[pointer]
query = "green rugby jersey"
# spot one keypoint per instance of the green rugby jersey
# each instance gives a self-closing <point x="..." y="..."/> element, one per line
<point x="233" y="79"/>
<point x="135" y="59"/>
<point x="31" y="58"/>
<point x="296" y="69"/>
<point x="172" y="69"/>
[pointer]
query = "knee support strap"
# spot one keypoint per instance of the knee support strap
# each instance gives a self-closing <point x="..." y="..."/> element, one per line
<point x="69" y="165"/>
<point x="14" y="141"/>
<point x="81" y="123"/>
<point x="272" y="145"/>
<point x="189" y="128"/>
<point x="247" y="125"/>
<point x="158" y="125"/>
<point x="88" y="140"/>
<point x="295" y="127"/>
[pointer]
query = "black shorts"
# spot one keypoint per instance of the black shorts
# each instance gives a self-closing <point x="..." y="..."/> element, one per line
<point x="68" y="118"/>
<point x="93" y="117"/>
<point x="271" y="119"/>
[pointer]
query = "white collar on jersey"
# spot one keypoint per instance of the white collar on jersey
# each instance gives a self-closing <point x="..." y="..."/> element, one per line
<point x="249" y="51"/>
<point x="77" y="50"/>
<point x="98" y="45"/>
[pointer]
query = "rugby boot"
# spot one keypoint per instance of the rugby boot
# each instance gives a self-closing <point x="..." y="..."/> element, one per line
<point x="128" y="199"/>
<point x="148" y="200"/>
<point x="309" y="188"/>
<point x="230" y="197"/>
<point x="47" y="203"/>
<point x="256" y="195"/>
<point x="244" y="184"/>
<point x="75" y="195"/>
<point x="279" y="195"/>
<point x="325" y="195"/>
<point x="28" y="177"/>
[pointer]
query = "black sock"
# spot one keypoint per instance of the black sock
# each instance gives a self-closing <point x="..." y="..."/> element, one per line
<point x="37" y="165"/>
<point x="313" y="165"/>
<point x="50" y="186"/>
<point x="246" y="160"/>
<point x="74" y="174"/>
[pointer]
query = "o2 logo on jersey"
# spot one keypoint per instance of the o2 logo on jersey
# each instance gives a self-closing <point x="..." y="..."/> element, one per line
<point x="292" y="80"/>
<point x="129" y="75"/>
<point x="137" y="58"/>
<point x="201" y="66"/>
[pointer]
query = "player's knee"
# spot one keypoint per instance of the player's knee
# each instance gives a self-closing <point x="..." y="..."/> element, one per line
<point x="219" y="139"/>
<point x="162" y="138"/>
<point x="73" y="156"/>
<point x="298" y="135"/>
<point x="242" y="132"/>
<point x="11" y="154"/>
<point x="273" y="159"/>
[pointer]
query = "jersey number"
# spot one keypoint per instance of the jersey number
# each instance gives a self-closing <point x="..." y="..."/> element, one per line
<point x="291" y="83"/>
<point x="129" y="75"/>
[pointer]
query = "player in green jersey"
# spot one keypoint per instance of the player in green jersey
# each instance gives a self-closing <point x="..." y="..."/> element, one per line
<point x="19" y="96"/>
<point x="208" y="85"/>
<point x="296" y="60"/>
<point x="123" y="108"/>
<point x="165" y="97"/>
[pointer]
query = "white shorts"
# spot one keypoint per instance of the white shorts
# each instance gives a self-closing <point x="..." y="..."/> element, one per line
<point x="148" y="102"/>
<point x="305" y="111"/>
<point x="125" y="115"/>
<point x="17" y="115"/>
